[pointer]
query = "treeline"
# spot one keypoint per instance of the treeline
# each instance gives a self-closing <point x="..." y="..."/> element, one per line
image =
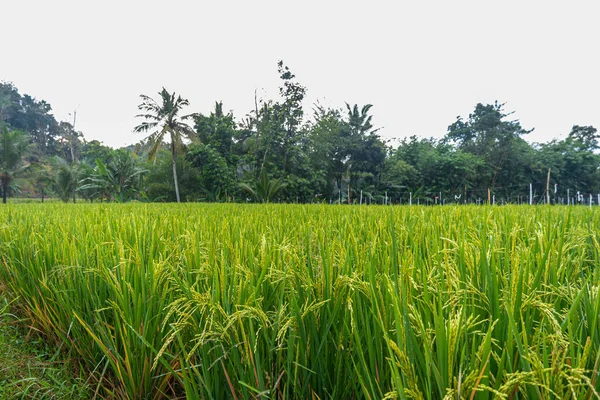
<point x="278" y="152"/>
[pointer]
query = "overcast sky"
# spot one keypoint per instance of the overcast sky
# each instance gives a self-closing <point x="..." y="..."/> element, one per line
<point x="420" y="63"/>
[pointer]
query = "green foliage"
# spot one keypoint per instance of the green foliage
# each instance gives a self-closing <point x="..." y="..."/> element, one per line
<point x="120" y="180"/>
<point x="13" y="145"/>
<point x="29" y="368"/>
<point x="265" y="188"/>
<point x="333" y="155"/>
<point x="94" y="150"/>
<point x="283" y="301"/>
<point x="40" y="175"/>
<point x="497" y="142"/>
<point x="162" y="119"/>
<point x="25" y="113"/>
<point x="160" y="177"/>
<point x="216" y="177"/>
<point x="66" y="179"/>
<point x="585" y="137"/>
<point x="573" y="164"/>
<point x="216" y="130"/>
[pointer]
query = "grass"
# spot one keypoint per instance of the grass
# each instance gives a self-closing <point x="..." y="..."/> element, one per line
<point x="205" y="301"/>
<point x="29" y="368"/>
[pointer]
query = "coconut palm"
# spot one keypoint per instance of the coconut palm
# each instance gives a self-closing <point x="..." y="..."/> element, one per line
<point x="360" y="121"/>
<point x="119" y="180"/>
<point x="66" y="179"/>
<point x="13" y="145"/>
<point x="162" y="119"/>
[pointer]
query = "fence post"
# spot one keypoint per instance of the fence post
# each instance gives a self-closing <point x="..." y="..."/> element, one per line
<point x="530" y="194"/>
<point x="548" y="188"/>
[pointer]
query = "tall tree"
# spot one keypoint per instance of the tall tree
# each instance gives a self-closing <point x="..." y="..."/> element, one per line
<point x="497" y="141"/>
<point x="216" y="130"/>
<point x="585" y="136"/>
<point x="13" y="145"/>
<point x="217" y="178"/>
<point x="25" y="113"/>
<point x="292" y="94"/>
<point x="164" y="117"/>
<point x="366" y="150"/>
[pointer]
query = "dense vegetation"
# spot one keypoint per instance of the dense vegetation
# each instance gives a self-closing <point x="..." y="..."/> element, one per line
<point x="30" y="368"/>
<point x="313" y="301"/>
<point x="280" y="153"/>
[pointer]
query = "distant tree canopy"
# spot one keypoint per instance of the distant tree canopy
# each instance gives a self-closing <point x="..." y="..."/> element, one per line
<point x="279" y="152"/>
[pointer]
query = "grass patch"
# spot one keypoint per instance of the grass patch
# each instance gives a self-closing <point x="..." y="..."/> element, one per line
<point x="30" y="368"/>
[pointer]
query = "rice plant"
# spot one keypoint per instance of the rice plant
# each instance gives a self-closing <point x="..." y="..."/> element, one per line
<point x="211" y="301"/>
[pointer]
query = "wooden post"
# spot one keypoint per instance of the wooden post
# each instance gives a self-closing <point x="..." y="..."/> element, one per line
<point x="410" y="199"/>
<point x="568" y="198"/>
<point x="348" y="192"/>
<point x="548" y="188"/>
<point x="489" y="197"/>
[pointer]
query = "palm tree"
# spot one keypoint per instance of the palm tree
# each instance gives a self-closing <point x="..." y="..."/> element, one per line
<point x="163" y="117"/>
<point x="13" y="145"/>
<point x="360" y="121"/>
<point x="65" y="179"/>
<point x="119" y="180"/>
<point x="266" y="188"/>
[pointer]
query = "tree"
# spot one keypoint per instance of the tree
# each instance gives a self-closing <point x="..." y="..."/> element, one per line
<point x="66" y="177"/>
<point x="93" y="150"/>
<point x="119" y="180"/>
<point x="69" y="140"/>
<point x="13" y="145"/>
<point x="344" y="151"/>
<point x="265" y="187"/>
<point x="291" y="111"/>
<point x="273" y="131"/>
<point x="216" y="177"/>
<point x="24" y="113"/>
<point x="574" y="164"/>
<point x="159" y="183"/>
<point x="217" y="130"/>
<point x="39" y="174"/>
<point x="585" y="136"/>
<point x="365" y="149"/>
<point x="360" y="121"/>
<point x="164" y="118"/>
<point x="497" y="141"/>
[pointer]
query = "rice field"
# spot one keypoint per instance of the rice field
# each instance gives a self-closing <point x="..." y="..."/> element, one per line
<point x="212" y="301"/>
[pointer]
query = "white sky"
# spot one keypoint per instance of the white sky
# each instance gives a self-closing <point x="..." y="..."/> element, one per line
<point x="420" y="63"/>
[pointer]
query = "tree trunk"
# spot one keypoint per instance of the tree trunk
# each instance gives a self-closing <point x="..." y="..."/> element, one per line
<point x="175" y="175"/>
<point x="42" y="195"/>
